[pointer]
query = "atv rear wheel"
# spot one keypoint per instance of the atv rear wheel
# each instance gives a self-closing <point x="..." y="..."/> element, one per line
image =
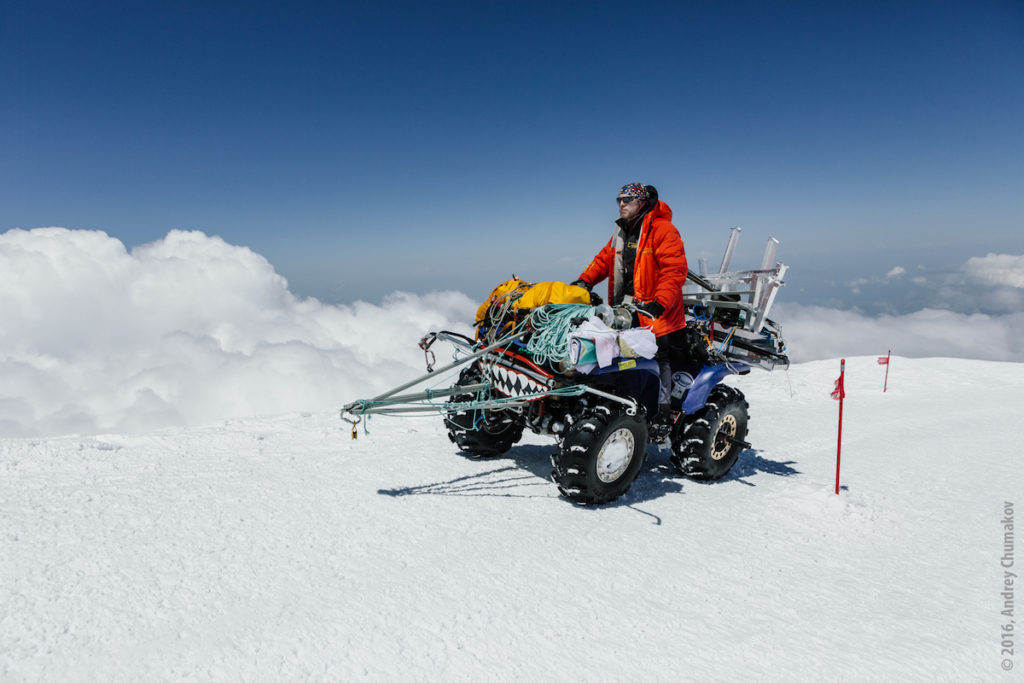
<point x="707" y="444"/>
<point x="600" y="455"/>
<point x="481" y="433"/>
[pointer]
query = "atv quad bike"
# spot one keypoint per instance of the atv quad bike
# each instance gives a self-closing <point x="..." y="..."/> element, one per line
<point x="521" y="373"/>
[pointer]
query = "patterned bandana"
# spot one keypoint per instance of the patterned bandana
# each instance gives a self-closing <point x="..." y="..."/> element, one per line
<point x="634" y="190"/>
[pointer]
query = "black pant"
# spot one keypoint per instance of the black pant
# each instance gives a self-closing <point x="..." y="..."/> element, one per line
<point x="668" y="352"/>
<point x="683" y="350"/>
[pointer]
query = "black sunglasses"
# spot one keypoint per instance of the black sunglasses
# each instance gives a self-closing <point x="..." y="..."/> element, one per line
<point x="626" y="200"/>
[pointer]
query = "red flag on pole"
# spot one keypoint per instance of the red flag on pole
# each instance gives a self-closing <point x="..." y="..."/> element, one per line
<point x="839" y="394"/>
<point x="884" y="360"/>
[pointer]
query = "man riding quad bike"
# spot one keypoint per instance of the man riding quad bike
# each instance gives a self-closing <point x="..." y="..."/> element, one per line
<point x="603" y="415"/>
<point x="674" y="393"/>
<point x="547" y="360"/>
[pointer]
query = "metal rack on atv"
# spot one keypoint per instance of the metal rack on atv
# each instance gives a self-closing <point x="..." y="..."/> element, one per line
<point x="603" y="420"/>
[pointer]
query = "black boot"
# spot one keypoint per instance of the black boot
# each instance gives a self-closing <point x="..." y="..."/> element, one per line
<point x="661" y="425"/>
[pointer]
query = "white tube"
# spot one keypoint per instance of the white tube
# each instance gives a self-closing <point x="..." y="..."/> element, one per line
<point x="734" y="237"/>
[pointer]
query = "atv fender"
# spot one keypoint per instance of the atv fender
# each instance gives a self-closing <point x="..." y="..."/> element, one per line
<point x="707" y="379"/>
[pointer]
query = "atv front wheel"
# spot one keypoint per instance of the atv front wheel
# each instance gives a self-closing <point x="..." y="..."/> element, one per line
<point x="600" y="456"/>
<point x="707" y="444"/>
<point x="482" y="433"/>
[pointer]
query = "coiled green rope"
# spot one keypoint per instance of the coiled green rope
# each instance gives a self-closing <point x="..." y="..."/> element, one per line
<point x="552" y="324"/>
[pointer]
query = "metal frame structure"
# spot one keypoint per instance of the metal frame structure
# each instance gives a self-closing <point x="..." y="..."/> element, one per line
<point x="389" y="402"/>
<point x="751" y="292"/>
<point x="748" y="295"/>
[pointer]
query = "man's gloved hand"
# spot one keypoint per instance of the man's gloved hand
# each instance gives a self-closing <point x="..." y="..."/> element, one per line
<point x="652" y="309"/>
<point x="595" y="299"/>
<point x="649" y="309"/>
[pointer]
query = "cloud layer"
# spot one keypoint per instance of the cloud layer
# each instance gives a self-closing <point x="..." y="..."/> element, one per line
<point x="816" y="332"/>
<point x="190" y="329"/>
<point x="992" y="284"/>
<point x="997" y="270"/>
<point x="183" y="331"/>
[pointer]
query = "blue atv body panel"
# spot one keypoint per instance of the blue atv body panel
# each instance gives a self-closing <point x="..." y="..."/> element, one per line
<point x="707" y="379"/>
<point x="641" y="380"/>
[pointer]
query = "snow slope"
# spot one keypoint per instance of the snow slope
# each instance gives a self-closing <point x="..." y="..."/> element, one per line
<point x="270" y="549"/>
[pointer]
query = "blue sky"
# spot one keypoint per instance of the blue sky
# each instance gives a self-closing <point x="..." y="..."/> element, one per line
<point x="369" y="147"/>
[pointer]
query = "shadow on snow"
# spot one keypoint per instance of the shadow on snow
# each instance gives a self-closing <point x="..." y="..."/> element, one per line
<point x="751" y="462"/>
<point x="520" y="471"/>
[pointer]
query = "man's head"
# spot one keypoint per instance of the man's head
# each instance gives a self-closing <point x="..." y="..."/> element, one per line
<point x="632" y="200"/>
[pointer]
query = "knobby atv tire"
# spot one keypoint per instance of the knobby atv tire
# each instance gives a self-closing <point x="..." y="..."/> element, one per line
<point x="708" y="442"/>
<point x="482" y="433"/>
<point x="600" y="455"/>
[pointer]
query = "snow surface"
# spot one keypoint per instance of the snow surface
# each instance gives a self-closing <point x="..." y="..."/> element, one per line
<point x="279" y="548"/>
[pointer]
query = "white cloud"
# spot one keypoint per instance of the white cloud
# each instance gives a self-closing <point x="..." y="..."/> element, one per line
<point x="990" y="284"/>
<point x="815" y="333"/>
<point x="186" y="330"/>
<point x="997" y="270"/>
<point x="856" y="285"/>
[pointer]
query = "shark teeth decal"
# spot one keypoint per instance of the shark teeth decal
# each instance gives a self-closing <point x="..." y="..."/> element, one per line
<point x="514" y="384"/>
<point x="509" y="379"/>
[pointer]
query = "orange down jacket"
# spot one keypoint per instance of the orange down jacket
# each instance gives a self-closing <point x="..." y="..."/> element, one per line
<point x="660" y="271"/>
